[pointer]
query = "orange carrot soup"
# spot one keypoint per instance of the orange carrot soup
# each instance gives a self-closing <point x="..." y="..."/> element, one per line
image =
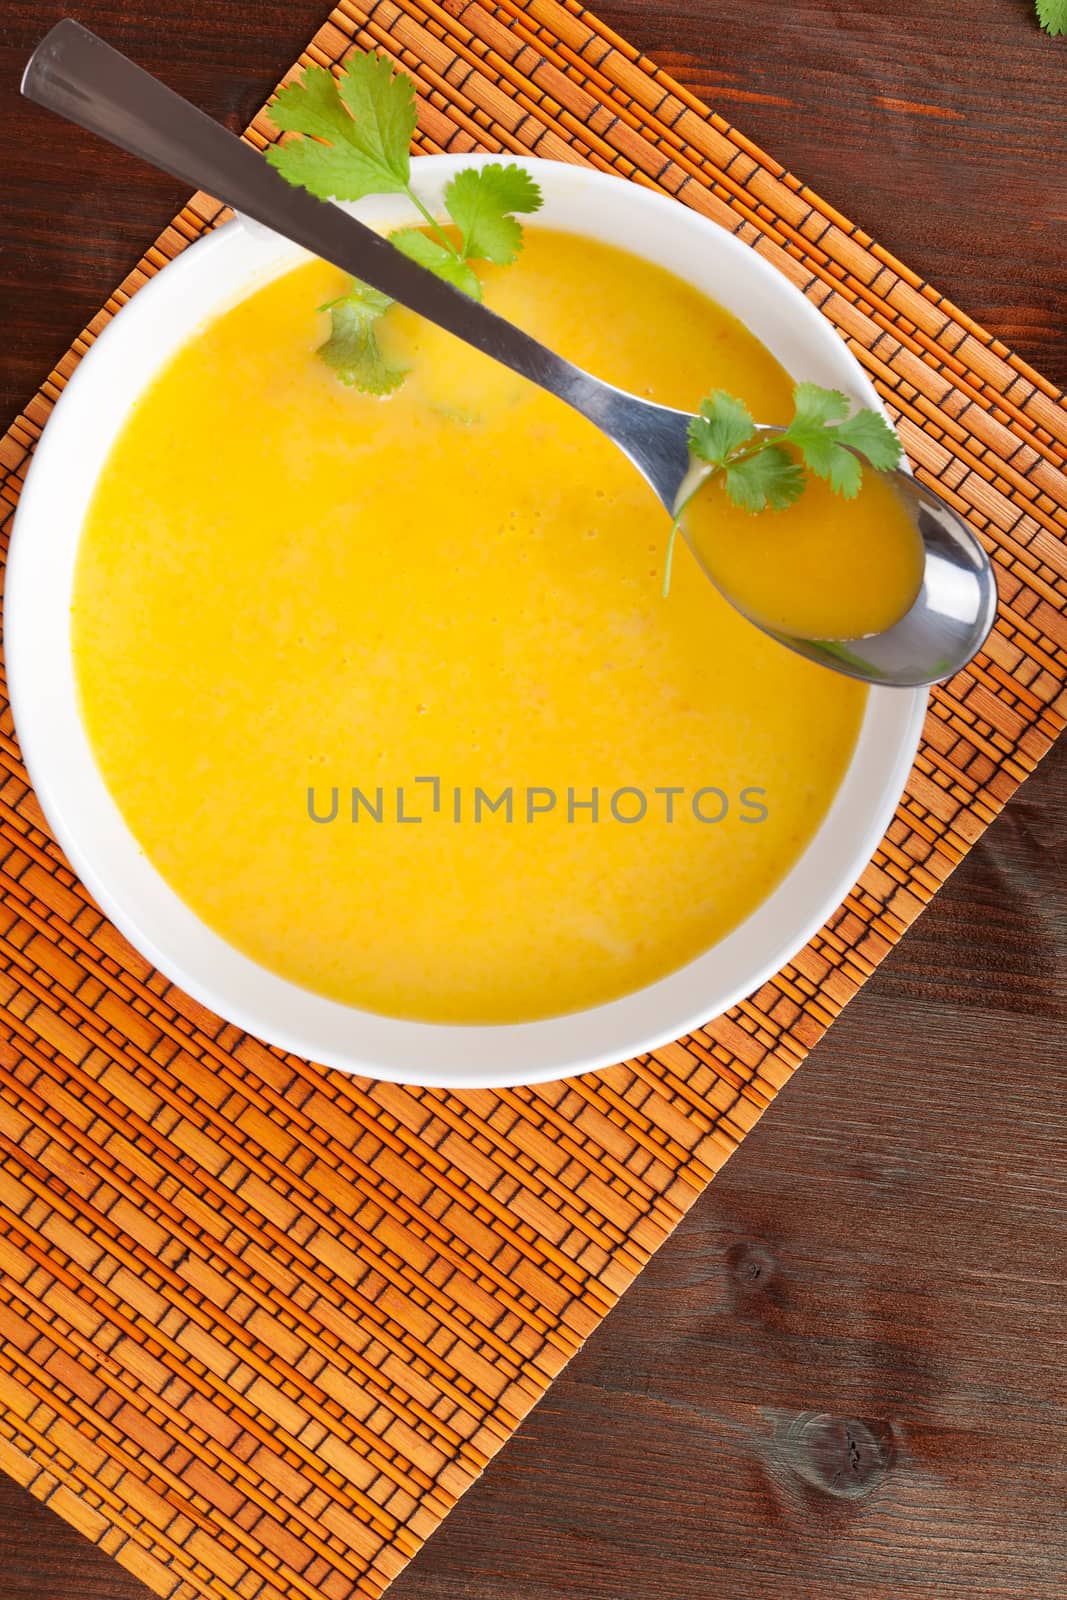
<point x="387" y="689"/>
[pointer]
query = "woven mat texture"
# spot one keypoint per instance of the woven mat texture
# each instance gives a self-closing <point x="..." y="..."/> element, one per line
<point x="262" y="1324"/>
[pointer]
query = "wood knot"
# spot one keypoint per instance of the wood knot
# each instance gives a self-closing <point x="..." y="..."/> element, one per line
<point x="838" y="1455"/>
<point x="752" y="1267"/>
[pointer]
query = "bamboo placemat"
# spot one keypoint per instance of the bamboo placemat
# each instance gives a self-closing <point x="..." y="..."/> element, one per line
<point x="261" y="1324"/>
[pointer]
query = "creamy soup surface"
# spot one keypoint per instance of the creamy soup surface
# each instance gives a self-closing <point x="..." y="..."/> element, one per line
<point x="287" y="590"/>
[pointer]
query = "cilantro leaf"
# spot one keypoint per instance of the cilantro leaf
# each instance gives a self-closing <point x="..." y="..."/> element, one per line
<point x="813" y="406"/>
<point x="419" y="247"/>
<point x="382" y="102"/>
<point x="370" y="303"/>
<point x="844" y="473"/>
<point x="821" y="429"/>
<point x="310" y="105"/>
<point x="821" y="452"/>
<point x="872" y="436"/>
<point x="352" y="349"/>
<point x="724" y="424"/>
<point x="810" y="431"/>
<point x="770" y="478"/>
<point x="481" y="201"/>
<point x="1052" y="15"/>
<point x="366" y="121"/>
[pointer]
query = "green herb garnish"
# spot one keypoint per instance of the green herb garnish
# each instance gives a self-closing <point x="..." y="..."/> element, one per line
<point x="760" y="471"/>
<point x="355" y="140"/>
<point x="352" y="349"/>
<point x="1052" y="15"/>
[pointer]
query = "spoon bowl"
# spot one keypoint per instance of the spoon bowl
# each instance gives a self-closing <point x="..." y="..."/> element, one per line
<point x="946" y="624"/>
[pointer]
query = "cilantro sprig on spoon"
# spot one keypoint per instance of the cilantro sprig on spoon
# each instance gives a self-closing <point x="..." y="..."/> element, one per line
<point x="759" y="467"/>
<point x="355" y="135"/>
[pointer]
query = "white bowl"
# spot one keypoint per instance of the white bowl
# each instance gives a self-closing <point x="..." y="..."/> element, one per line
<point x="212" y="274"/>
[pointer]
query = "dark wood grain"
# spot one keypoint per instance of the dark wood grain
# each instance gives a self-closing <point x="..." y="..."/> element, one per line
<point x="844" y="1373"/>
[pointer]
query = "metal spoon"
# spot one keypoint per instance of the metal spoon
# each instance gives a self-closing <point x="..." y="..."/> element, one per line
<point x="76" y="74"/>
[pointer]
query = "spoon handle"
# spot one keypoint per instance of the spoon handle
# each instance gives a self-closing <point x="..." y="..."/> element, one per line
<point x="77" y="75"/>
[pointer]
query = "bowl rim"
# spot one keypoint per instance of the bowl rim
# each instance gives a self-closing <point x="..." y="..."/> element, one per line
<point x="447" y="1055"/>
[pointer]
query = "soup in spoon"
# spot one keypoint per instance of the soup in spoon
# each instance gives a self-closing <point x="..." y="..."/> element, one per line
<point x="824" y="568"/>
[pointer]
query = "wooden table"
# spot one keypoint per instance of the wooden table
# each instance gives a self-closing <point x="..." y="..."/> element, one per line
<point x="844" y="1373"/>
